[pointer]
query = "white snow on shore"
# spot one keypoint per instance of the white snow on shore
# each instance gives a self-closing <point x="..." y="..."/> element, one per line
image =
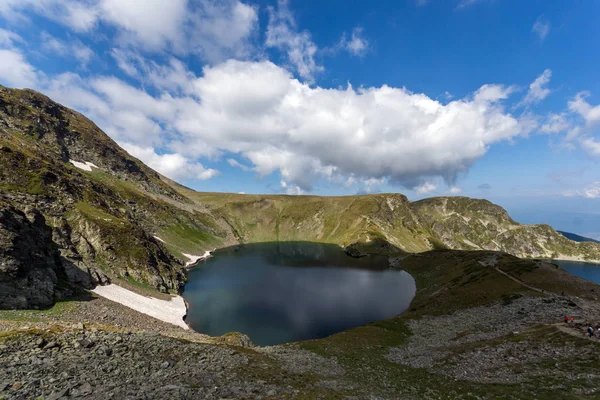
<point x="86" y="166"/>
<point x="159" y="239"/>
<point x="195" y="259"/>
<point x="171" y="311"/>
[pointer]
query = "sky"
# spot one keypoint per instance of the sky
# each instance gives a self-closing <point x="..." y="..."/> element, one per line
<point x="496" y="99"/>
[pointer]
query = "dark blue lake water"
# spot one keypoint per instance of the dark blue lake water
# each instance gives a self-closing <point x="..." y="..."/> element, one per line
<point x="285" y="292"/>
<point x="588" y="271"/>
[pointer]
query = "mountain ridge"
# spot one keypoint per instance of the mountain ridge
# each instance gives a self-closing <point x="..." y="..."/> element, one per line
<point x="116" y="218"/>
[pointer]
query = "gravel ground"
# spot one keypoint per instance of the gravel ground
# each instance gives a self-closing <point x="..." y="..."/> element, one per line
<point x="121" y="365"/>
<point x="461" y="345"/>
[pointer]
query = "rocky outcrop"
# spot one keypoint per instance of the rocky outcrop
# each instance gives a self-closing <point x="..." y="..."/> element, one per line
<point x="32" y="272"/>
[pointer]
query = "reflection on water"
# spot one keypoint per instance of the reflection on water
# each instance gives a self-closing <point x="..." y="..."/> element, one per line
<point x="284" y="292"/>
<point x="588" y="271"/>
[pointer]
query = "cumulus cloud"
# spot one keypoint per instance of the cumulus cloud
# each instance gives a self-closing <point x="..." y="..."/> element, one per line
<point x="541" y="27"/>
<point x="149" y="23"/>
<point x="591" y="191"/>
<point x="484" y="186"/>
<point x="174" y="166"/>
<point x="454" y="190"/>
<point x="579" y="105"/>
<point x="591" y="146"/>
<point x="537" y="89"/>
<point x="15" y="70"/>
<point x="282" y="33"/>
<point x="425" y="188"/>
<point x="590" y="115"/>
<point x="279" y="124"/>
<point x="290" y="188"/>
<point x="356" y="45"/>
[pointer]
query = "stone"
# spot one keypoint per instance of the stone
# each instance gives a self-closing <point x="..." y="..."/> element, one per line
<point x="56" y="395"/>
<point x="86" y="343"/>
<point x="51" y="345"/>
<point x="85" y="389"/>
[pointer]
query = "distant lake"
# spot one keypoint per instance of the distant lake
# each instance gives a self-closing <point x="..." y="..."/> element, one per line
<point x="285" y="292"/>
<point x="588" y="271"/>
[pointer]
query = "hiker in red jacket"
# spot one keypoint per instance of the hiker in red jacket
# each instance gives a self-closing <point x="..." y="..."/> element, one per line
<point x="566" y="319"/>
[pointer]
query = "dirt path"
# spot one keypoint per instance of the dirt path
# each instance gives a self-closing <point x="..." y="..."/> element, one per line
<point x="520" y="282"/>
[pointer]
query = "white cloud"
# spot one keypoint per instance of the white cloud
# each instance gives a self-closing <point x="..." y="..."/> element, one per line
<point x="79" y="16"/>
<point x="357" y="45"/>
<point x="467" y="3"/>
<point x="152" y="23"/>
<point x="591" y="146"/>
<point x="259" y="112"/>
<point x="174" y="166"/>
<point x="541" y="27"/>
<point x="555" y="123"/>
<point x="15" y="71"/>
<point x="214" y="29"/>
<point x="8" y="38"/>
<point x="282" y="34"/>
<point x="454" y="190"/>
<point x="592" y="191"/>
<point x="425" y="188"/>
<point x="290" y="188"/>
<point x="237" y="164"/>
<point x="223" y="29"/>
<point x="74" y="49"/>
<point x="538" y="90"/>
<point x="591" y="114"/>
<point x="421" y="3"/>
<point x="492" y="93"/>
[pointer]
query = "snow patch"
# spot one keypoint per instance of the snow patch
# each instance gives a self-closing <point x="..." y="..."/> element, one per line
<point x="159" y="239"/>
<point x="86" y="165"/>
<point x="171" y="311"/>
<point x="194" y="259"/>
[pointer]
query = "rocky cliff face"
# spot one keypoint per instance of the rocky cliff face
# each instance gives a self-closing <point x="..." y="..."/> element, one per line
<point x="77" y="210"/>
<point x="30" y="266"/>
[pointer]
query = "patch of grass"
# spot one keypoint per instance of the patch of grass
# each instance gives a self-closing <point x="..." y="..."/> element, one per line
<point x="59" y="309"/>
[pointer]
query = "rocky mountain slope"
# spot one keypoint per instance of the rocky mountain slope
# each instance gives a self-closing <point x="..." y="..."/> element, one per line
<point x="77" y="210"/>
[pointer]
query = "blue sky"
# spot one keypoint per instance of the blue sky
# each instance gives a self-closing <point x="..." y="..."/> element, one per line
<point x="484" y="98"/>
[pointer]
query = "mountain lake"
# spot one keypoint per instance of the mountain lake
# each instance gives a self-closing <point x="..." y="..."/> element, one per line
<point x="290" y="291"/>
<point x="584" y="270"/>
